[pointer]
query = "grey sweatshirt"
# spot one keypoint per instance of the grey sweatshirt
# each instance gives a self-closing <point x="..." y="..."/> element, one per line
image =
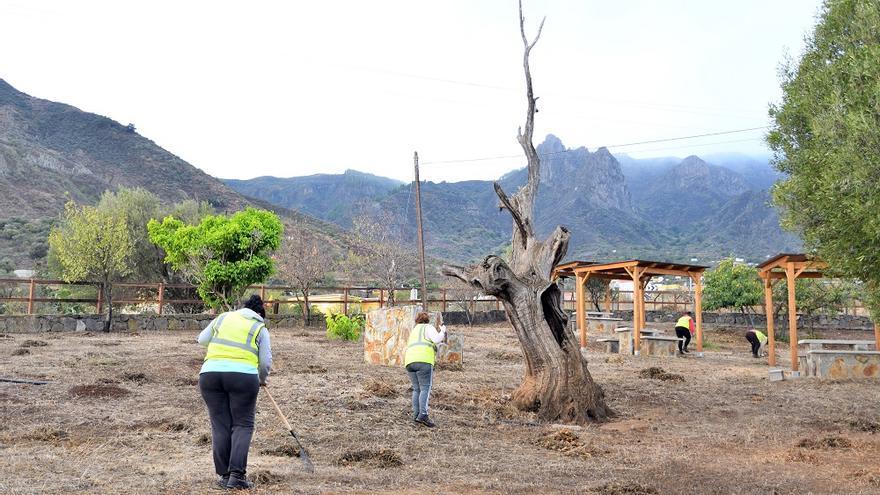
<point x="264" y="345"/>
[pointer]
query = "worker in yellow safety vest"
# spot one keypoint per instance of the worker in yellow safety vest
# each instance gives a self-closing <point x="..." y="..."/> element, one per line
<point x="683" y="328"/>
<point x="238" y="360"/>
<point x="421" y="351"/>
<point x="757" y="339"/>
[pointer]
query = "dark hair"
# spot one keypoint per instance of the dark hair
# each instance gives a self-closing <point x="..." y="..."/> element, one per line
<point x="422" y="317"/>
<point x="688" y="313"/>
<point x="255" y="304"/>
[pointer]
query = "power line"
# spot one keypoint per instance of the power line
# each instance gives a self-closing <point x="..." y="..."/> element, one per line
<point x="703" y="144"/>
<point x="669" y="107"/>
<point x="623" y="145"/>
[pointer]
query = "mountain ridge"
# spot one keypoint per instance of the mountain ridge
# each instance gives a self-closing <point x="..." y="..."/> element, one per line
<point x="648" y="208"/>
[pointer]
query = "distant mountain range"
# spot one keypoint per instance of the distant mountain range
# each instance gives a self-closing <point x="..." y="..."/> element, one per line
<point x="615" y="207"/>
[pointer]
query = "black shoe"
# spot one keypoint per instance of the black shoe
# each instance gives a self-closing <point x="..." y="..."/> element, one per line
<point x="223" y="480"/>
<point x="239" y="482"/>
<point x="680" y="352"/>
<point x="425" y="420"/>
<point x="686" y="351"/>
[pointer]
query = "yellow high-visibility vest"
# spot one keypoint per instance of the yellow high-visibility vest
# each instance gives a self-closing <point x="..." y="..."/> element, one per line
<point x="684" y="321"/>
<point x="418" y="348"/>
<point x="234" y="338"/>
<point x="761" y="337"/>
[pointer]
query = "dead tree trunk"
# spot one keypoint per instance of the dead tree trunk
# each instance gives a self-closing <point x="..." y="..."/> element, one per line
<point x="557" y="384"/>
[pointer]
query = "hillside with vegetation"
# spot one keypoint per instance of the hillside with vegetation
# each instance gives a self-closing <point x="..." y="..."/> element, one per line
<point x="52" y="152"/>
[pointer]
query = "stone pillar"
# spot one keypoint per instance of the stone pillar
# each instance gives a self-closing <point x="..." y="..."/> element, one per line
<point x="386" y="333"/>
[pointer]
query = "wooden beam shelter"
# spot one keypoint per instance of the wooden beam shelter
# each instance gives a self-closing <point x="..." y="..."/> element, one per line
<point x="640" y="273"/>
<point x="788" y="266"/>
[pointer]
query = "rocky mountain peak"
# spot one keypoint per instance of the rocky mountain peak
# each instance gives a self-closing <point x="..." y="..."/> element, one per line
<point x="551" y="144"/>
<point x="693" y="174"/>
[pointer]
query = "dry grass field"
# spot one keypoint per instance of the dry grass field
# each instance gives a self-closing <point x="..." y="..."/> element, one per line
<point x="122" y="414"/>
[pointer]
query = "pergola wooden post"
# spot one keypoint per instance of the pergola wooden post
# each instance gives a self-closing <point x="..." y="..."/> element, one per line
<point x="789" y="267"/>
<point x="876" y="337"/>
<point x="768" y="305"/>
<point x="581" y="307"/>
<point x="698" y="308"/>
<point x="792" y="314"/>
<point x="638" y="307"/>
<point x="639" y="272"/>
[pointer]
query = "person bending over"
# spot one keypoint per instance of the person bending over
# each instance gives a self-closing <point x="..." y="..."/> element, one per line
<point x="683" y="331"/>
<point x="756" y="339"/>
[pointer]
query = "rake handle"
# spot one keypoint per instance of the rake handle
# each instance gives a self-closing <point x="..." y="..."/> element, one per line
<point x="278" y="409"/>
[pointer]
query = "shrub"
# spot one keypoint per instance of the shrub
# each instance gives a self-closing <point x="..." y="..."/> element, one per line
<point x="340" y="326"/>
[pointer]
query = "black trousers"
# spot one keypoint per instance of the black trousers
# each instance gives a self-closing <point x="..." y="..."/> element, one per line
<point x="683" y="333"/>
<point x="756" y="344"/>
<point x="232" y="400"/>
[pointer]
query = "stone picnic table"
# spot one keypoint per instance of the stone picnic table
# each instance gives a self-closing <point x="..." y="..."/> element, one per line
<point x="652" y="343"/>
<point x="819" y="344"/>
<point x="830" y="358"/>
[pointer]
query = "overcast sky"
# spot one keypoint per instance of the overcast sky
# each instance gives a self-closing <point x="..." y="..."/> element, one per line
<point x="243" y="89"/>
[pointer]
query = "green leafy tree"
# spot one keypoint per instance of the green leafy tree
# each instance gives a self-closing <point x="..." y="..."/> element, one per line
<point x="815" y="297"/>
<point x="732" y="285"/>
<point x="91" y="244"/>
<point x="826" y="138"/>
<point x="222" y="254"/>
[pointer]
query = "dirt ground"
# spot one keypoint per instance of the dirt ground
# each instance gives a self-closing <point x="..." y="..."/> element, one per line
<point x="122" y="414"/>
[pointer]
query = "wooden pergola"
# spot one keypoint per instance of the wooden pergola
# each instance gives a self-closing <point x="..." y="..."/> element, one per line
<point x="789" y="267"/>
<point x="639" y="272"/>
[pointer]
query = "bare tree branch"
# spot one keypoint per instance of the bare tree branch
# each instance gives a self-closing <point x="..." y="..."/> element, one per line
<point x="456" y="271"/>
<point x="514" y="212"/>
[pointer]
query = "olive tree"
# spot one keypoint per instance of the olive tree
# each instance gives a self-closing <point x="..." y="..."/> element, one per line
<point x="826" y="139"/>
<point x="93" y="245"/>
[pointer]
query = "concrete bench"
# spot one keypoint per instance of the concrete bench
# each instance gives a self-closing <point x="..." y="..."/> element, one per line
<point x="827" y="363"/>
<point x="625" y="337"/>
<point x="611" y="345"/>
<point x="598" y="314"/>
<point x="659" y="345"/>
<point x="820" y="344"/>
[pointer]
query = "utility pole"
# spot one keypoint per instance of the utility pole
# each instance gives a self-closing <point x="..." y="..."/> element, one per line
<point x="424" y="294"/>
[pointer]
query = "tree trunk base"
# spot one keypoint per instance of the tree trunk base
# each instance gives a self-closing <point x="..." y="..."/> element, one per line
<point x="572" y="398"/>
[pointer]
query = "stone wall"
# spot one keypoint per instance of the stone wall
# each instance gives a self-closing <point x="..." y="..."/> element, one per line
<point x="125" y="322"/>
<point x="459" y="318"/>
<point x="151" y="322"/>
<point x="838" y="322"/>
<point x="386" y="332"/>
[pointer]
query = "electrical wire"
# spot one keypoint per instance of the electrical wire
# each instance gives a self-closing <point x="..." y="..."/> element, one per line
<point x="623" y="145"/>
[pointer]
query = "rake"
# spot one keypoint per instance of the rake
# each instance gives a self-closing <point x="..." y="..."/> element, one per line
<point x="303" y="455"/>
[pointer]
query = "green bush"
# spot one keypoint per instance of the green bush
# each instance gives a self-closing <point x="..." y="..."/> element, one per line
<point x="340" y="326"/>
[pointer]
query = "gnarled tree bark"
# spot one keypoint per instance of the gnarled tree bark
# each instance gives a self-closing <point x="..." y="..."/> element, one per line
<point x="557" y="384"/>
